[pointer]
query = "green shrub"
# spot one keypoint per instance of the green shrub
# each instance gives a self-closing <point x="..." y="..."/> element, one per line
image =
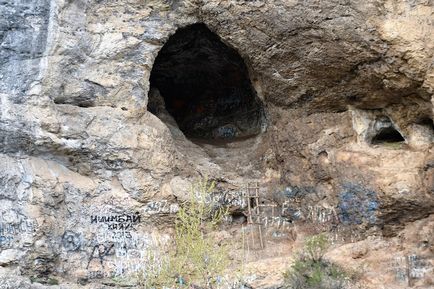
<point x="197" y="259"/>
<point x="44" y="280"/>
<point x="316" y="246"/>
<point x="311" y="271"/>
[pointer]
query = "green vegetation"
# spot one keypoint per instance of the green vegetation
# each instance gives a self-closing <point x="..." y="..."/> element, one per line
<point x="44" y="280"/>
<point x="316" y="246"/>
<point x="311" y="271"/>
<point x="156" y="273"/>
<point x="52" y="281"/>
<point x="197" y="258"/>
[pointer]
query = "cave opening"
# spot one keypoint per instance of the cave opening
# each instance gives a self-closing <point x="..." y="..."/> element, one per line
<point x="204" y="85"/>
<point x="428" y="122"/>
<point x="238" y="217"/>
<point x="385" y="131"/>
<point x="388" y="135"/>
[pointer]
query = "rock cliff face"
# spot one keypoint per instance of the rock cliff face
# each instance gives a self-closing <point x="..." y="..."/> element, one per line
<point x="327" y="105"/>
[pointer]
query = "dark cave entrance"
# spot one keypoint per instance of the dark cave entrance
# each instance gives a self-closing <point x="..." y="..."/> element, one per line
<point x="388" y="135"/>
<point x="427" y="122"/>
<point x="204" y="85"/>
<point x="386" y="132"/>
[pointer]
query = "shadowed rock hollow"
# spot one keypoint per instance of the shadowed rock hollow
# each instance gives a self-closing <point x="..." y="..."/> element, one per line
<point x="205" y="86"/>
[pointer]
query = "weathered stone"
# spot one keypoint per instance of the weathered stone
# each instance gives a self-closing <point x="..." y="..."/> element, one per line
<point x="79" y="141"/>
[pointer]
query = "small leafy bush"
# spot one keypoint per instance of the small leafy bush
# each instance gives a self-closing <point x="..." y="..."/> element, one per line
<point x="197" y="260"/>
<point x="311" y="271"/>
<point x="316" y="246"/>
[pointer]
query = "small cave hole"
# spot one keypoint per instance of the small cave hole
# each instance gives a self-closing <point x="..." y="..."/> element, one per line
<point x="323" y="155"/>
<point x="238" y="218"/>
<point x="428" y="122"/>
<point x="388" y="135"/>
<point x="204" y="85"/>
<point x="386" y="132"/>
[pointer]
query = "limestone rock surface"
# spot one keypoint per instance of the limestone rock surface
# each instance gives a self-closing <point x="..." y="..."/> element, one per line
<point x="90" y="180"/>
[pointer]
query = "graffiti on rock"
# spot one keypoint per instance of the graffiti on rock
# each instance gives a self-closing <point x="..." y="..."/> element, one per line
<point x="160" y="207"/>
<point x="344" y="234"/>
<point x="228" y="199"/>
<point x="71" y="241"/>
<point x="118" y="248"/>
<point x="99" y="252"/>
<point x="357" y="205"/>
<point x="117" y="222"/>
<point x="321" y="214"/>
<point x="25" y="226"/>
<point x="318" y="214"/>
<point x="6" y="241"/>
<point x="9" y="230"/>
<point x="97" y="274"/>
<point x="120" y="259"/>
<point x="411" y="267"/>
<point x="273" y="221"/>
<point x="227" y="131"/>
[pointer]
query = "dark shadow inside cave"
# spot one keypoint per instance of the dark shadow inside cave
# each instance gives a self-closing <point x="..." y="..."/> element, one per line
<point x="386" y="132"/>
<point x="204" y="85"/>
<point x="428" y="122"/>
<point x="388" y="135"/>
